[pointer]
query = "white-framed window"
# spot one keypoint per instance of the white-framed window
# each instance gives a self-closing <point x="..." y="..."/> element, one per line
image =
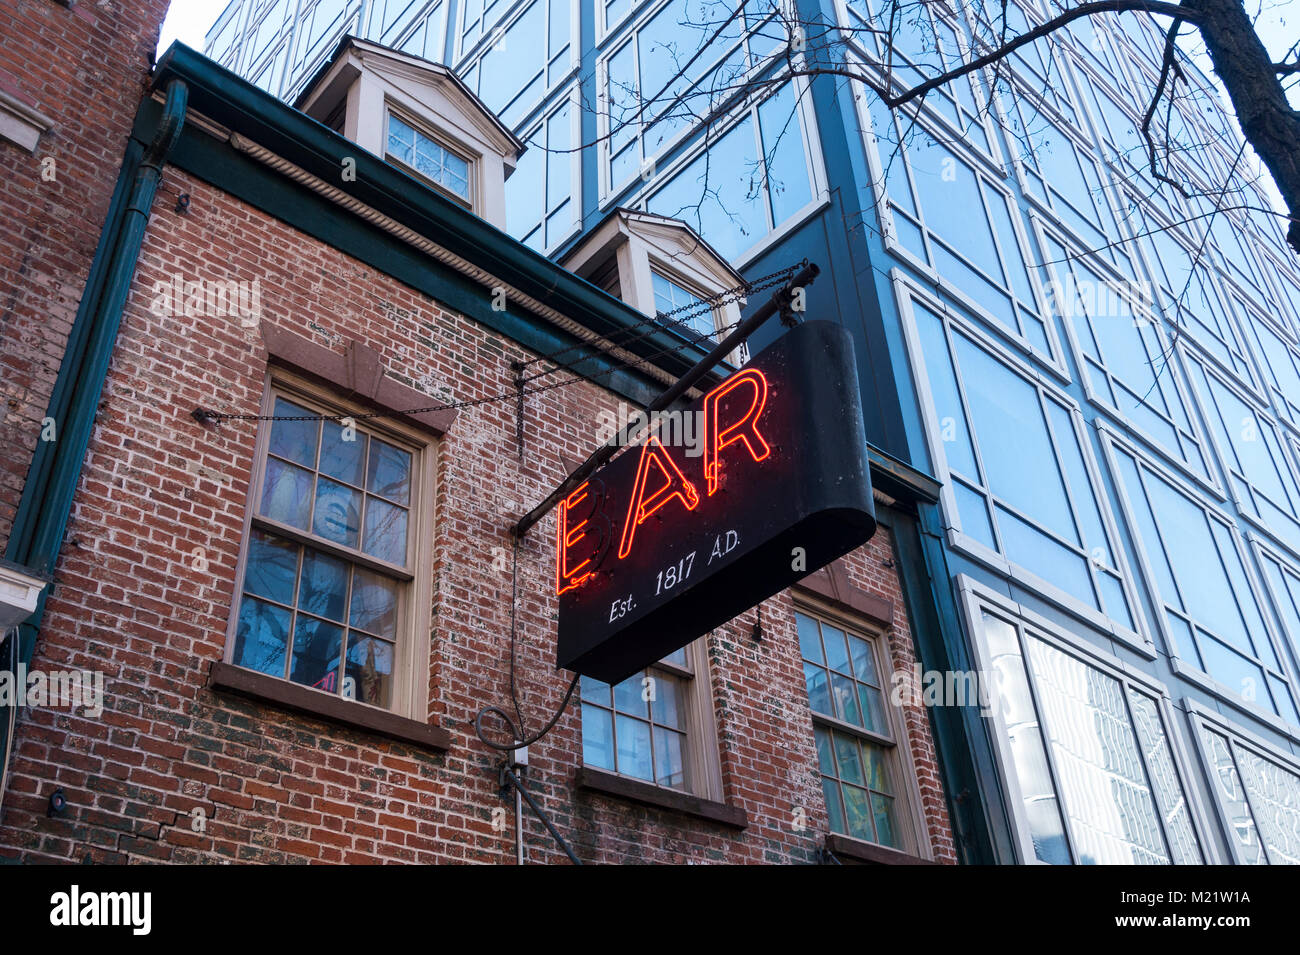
<point x="332" y="591"/>
<point x="524" y="58"/>
<point x="684" y="309"/>
<point x="417" y="27"/>
<point x="944" y="214"/>
<point x="1040" y="63"/>
<point x="544" y="193"/>
<point x="1126" y="359"/>
<point x="1094" y="772"/>
<point x="264" y="30"/>
<point x="920" y="43"/>
<point x="1185" y="286"/>
<point x="429" y="158"/>
<point x="1117" y="131"/>
<point x="749" y="182"/>
<point x="221" y="43"/>
<point x="1257" y="789"/>
<point x="1021" y="489"/>
<point x="1281" y="577"/>
<point x="1207" y="602"/>
<point x="1059" y="174"/>
<point x="645" y="106"/>
<point x="1251" y="450"/>
<point x="862" y="760"/>
<point x="657" y="725"/>
<point x="1286" y="288"/>
<point x="1094" y="42"/>
<point x="319" y="28"/>
<point x="1278" y="355"/>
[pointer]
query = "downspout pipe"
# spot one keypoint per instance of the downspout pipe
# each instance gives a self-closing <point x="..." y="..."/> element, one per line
<point x="46" y="505"/>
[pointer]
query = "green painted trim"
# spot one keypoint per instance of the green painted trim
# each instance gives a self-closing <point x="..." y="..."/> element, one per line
<point x="900" y="480"/>
<point x="241" y="107"/>
<point x="18" y="547"/>
<point x="967" y="754"/>
<point x="43" y="511"/>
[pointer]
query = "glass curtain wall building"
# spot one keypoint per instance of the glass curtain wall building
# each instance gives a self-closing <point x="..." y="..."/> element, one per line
<point x="1101" y="371"/>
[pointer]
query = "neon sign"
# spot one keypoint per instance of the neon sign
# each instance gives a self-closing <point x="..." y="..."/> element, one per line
<point x="663" y="545"/>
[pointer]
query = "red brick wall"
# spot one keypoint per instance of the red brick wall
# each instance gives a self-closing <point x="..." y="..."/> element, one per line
<point x="84" y="68"/>
<point x="280" y="787"/>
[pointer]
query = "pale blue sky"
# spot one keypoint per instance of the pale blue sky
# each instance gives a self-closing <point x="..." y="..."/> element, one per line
<point x="188" y="21"/>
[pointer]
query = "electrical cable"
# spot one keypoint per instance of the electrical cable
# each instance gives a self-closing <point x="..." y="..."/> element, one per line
<point x="514" y="730"/>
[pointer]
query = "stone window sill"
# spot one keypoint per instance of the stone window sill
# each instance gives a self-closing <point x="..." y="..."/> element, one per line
<point x="861" y="851"/>
<point x="290" y="696"/>
<point x="633" y="790"/>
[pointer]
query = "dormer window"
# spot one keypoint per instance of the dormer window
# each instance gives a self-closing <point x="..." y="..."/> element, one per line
<point x="694" y="316"/>
<point x="662" y="267"/>
<point x="420" y="117"/>
<point x="429" y="159"/>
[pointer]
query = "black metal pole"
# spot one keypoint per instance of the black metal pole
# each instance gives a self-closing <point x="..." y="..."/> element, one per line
<point x="779" y="301"/>
<point x="509" y="774"/>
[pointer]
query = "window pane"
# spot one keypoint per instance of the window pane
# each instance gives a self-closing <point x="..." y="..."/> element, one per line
<point x="385" y="536"/>
<point x="595" y="690"/>
<point x="834" y="805"/>
<point x="810" y="644"/>
<point x="597" y="737"/>
<point x="882" y="808"/>
<point x="857" y="806"/>
<point x="272" y="567"/>
<point x="864" y="665"/>
<point x="837" y="651"/>
<point x="664" y="708"/>
<point x="1164" y="776"/>
<point x="670" y="769"/>
<point x="317" y="647"/>
<point x="390" y="473"/>
<point x="1096" y="752"/>
<point x="1025" y="742"/>
<point x="848" y="759"/>
<point x="787" y="168"/>
<point x="324" y="585"/>
<point x="825" y="760"/>
<point x="338" y="512"/>
<point x="846" y="699"/>
<point x="627" y="696"/>
<point x="374" y="603"/>
<point x="370" y="669"/>
<point x="294" y="440"/>
<point x="261" y="637"/>
<point x="1232" y="796"/>
<point x="286" y="494"/>
<point x="872" y="708"/>
<point x="634" y="748"/>
<point x="340" y="458"/>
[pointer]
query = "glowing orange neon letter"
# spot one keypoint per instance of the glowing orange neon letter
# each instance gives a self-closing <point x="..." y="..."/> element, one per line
<point x="568" y="534"/>
<point x="643" y="504"/>
<point x="744" y="429"/>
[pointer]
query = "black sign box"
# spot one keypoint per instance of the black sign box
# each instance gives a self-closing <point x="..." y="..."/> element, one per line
<point x="767" y="524"/>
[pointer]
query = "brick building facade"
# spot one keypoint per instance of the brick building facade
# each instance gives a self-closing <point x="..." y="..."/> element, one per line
<point x="369" y="302"/>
